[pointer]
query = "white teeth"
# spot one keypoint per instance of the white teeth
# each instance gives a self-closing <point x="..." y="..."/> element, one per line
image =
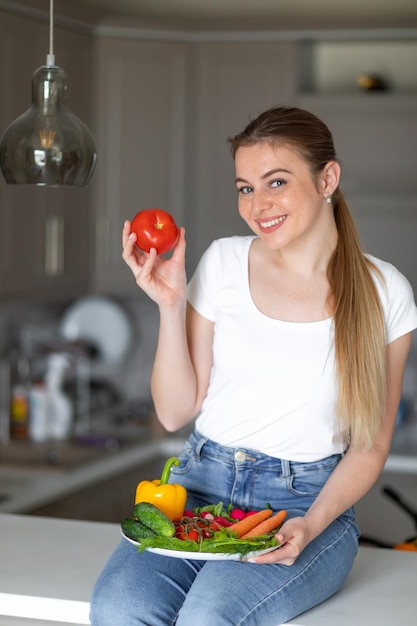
<point x="273" y="222"/>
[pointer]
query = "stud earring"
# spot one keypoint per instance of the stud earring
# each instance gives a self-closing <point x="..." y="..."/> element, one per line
<point x="328" y="199"/>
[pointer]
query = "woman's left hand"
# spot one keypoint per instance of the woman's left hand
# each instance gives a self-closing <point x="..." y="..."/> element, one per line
<point x="293" y="537"/>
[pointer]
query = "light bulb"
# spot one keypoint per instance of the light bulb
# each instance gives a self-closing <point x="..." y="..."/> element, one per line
<point x="48" y="144"/>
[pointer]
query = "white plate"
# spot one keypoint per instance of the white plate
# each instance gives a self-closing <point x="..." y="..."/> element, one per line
<point x="102" y="322"/>
<point x="201" y="556"/>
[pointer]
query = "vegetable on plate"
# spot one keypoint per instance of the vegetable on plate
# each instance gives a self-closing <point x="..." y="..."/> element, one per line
<point x="168" y="498"/>
<point x="209" y="529"/>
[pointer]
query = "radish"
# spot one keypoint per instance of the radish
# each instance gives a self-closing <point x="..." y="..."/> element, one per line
<point x="223" y="521"/>
<point x="237" y="514"/>
<point x="208" y="516"/>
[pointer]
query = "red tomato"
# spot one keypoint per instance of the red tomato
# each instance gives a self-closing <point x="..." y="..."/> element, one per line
<point x="155" y="228"/>
<point x="193" y="535"/>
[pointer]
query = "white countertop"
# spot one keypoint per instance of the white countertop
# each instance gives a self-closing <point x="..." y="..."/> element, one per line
<point x="49" y="566"/>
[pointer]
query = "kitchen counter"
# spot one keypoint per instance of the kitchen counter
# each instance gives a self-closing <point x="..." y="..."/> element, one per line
<point x="49" y="566"/>
<point x="27" y="488"/>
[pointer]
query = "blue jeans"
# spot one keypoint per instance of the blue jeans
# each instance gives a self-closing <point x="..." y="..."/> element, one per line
<point x="161" y="591"/>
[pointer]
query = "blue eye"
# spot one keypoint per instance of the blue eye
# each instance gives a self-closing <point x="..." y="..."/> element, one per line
<point x="245" y="190"/>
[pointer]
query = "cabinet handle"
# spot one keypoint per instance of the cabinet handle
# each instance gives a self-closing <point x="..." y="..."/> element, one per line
<point x="54" y="245"/>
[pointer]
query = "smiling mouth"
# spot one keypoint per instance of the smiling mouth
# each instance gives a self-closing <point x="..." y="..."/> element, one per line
<point x="273" y="222"/>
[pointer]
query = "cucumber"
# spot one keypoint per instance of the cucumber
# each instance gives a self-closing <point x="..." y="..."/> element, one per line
<point x="134" y="529"/>
<point x="154" y="518"/>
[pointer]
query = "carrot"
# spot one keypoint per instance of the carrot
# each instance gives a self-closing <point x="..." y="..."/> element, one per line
<point x="266" y="526"/>
<point x="249" y="522"/>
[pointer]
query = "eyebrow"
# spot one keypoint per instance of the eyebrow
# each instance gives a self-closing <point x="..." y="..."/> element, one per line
<point x="266" y="175"/>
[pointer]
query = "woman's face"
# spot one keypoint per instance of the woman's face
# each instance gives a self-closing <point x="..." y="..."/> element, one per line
<point x="278" y="197"/>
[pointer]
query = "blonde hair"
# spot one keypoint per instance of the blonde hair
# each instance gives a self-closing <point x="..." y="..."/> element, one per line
<point x="359" y="325"/>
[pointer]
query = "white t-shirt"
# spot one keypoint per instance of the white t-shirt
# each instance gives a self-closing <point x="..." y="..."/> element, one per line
<point x="273" y="383"/>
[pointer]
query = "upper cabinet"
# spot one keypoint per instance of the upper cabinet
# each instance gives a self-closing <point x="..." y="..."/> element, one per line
<point x="45" y="244"/>
<point x="231" y="84"/>
<point x="163" y="115"/>
<point x="140" y="127"/>
<point x="334" y="66"/>
<point x="375" y="134"/>
<point x="45" y="233"/>
<point x="161" y="110"/>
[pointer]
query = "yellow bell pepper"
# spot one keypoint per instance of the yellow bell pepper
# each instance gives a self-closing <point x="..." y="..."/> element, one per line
<point x="170" y="499"/>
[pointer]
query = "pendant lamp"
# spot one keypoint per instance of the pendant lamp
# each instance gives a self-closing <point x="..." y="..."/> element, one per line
<point x="48" y="145"/>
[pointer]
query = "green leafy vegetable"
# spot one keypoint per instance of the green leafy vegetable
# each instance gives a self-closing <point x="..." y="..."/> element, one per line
<point x="222" y="542"/>
<point x="217" y="510"/>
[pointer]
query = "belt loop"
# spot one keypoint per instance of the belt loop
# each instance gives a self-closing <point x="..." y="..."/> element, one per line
<point x="199" y="446"/>
<point x="285" y="468"/>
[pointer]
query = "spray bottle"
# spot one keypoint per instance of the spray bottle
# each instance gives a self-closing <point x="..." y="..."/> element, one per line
<point x="60" y="413"/>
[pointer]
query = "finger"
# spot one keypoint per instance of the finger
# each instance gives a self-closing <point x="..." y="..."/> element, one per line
<point x="130" y="251"/>
<point x="126" y="232"/>
<point x="179" y="249"/>
<point x="146" y="268"/>
<point x="281" y="555"/>
<point x="178" y="255"/>
<point x="132" y="256"/>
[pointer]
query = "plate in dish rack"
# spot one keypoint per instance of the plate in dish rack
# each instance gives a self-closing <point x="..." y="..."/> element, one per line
<point x="101" y="322"/>
<point x="200" y="556"/>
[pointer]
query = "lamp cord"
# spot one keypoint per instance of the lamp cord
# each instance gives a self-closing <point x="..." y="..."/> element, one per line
<point x="50" y="59"/>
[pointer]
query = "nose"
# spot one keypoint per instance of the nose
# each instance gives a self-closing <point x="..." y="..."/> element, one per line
<point x="261" y="201"/>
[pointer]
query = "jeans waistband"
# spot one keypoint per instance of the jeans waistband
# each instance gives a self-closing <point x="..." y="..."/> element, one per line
<point x="202" y="446"/>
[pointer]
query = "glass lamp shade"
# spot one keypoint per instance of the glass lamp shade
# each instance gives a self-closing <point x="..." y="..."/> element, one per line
<point x="48" y="145"/>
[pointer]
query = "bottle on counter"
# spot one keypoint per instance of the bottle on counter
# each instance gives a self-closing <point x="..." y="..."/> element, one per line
<point x="38" y="413"/>
<point x="60" y="413"/>
<point x="19" y="395"/>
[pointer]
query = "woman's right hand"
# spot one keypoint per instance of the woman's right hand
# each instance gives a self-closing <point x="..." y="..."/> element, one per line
<point x="163" y="280"/>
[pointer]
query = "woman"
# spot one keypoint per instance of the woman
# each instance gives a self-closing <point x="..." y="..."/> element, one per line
<point x="290" y="351"/>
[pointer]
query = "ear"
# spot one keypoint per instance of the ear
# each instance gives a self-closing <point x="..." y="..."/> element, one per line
<point x="330" y="178"/>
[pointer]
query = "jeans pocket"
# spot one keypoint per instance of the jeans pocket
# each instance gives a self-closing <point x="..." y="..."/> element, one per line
<point x="305" y="481"/>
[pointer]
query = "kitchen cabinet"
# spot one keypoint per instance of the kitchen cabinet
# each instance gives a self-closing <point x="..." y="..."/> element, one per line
<point x="165" y="111"/>
<point x="45" y="233"/>
<point x="203" y="92"/>
<point x="375" y="135"/>
<point x="376" y="140"/>
<point x="140" y="127"/>
<point x="232" y="82"/>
